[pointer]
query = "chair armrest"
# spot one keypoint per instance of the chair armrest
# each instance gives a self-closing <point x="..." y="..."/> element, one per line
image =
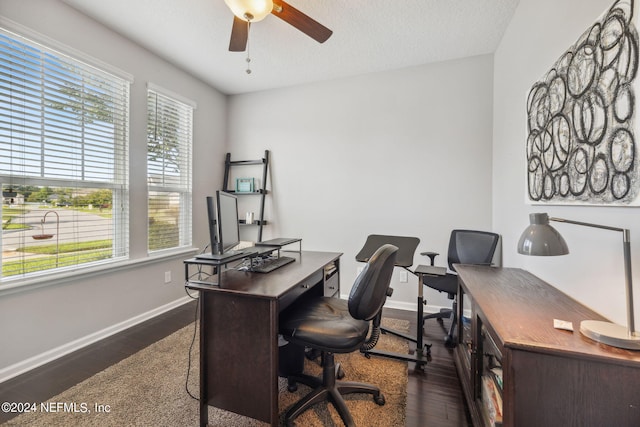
<point x="431" y="270"/>
<point x="432" y="256"/>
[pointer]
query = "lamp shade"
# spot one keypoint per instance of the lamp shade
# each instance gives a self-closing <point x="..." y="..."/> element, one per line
<point x="250" y="10"/>
<point x="541" y="239"/>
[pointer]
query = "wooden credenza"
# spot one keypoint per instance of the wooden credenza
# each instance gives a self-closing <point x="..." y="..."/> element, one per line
<point x="549" y="376"/>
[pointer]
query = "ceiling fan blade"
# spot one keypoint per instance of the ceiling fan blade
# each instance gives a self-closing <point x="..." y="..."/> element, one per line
<point x="239" y="35"/>
<point x="302" y="22"/>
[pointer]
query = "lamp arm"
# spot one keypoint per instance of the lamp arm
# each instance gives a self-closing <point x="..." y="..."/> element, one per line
<point x="628" y="282"/>
<point x="626" y="246"/>
<point x="588" y="224"/>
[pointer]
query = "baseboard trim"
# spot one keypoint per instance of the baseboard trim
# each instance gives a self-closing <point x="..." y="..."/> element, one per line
<point x="407" y="306"/>
<point x="53" y="354"/>
<point x="427" y="308"/>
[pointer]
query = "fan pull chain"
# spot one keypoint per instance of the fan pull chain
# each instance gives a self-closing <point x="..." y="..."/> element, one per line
<point x="248" y="53"/>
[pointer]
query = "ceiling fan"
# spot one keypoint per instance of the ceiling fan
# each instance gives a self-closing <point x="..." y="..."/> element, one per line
<point x="249" y="11"/>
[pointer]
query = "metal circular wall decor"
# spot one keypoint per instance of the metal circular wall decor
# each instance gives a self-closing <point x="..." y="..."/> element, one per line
<point x="581" y="116"/>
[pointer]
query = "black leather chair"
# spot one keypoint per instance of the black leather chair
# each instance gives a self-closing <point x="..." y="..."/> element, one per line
<point x="333" y="325"/>
<point x="465" y="247"/>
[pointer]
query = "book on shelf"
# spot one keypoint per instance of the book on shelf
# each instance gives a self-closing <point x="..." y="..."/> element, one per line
<point x="330" y="269"/>
<point x="492" y="401"/>
<point x="496" y="375"/>
<point x="466" y="339"/>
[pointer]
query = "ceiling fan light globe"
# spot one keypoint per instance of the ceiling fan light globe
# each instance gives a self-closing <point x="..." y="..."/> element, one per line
<point x="257" y="10"/>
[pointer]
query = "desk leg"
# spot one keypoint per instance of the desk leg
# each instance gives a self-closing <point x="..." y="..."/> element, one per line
<point x="204" y="395"/>
<point x="239" y="355"/>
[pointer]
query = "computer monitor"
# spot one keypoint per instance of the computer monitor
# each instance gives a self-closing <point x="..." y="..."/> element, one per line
<point x="228" y="224"/>
<point x="224" y="231"/>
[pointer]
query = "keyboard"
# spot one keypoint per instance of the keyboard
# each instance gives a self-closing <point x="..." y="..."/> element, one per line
<point x="272" y="264"/>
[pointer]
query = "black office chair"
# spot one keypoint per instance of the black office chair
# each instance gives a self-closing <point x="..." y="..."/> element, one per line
<point x="332" y="325"/>
<point x="465" y="247"/>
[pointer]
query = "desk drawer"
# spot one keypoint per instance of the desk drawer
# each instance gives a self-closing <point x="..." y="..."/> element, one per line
<point x="332" y="285"/>
<point x="303" y="287"/>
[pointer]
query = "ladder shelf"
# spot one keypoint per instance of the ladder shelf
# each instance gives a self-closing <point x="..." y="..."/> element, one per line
<point x="259" y="220"/>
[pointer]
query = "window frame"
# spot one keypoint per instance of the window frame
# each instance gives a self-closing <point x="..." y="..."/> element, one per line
<point x="184" y="187"/>
<point x="119" y="181"/>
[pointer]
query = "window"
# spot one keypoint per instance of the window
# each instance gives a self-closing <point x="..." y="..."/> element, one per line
<point x="63" y="160"/>
<point x="169" y="143"/>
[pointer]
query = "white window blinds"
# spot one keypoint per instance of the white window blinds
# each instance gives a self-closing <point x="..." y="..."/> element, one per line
<point x="169" y="152"/>
<point x="63" y="160"/>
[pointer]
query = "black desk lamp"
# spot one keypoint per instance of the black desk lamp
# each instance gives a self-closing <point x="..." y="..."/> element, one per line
<point x="539" y="238"/>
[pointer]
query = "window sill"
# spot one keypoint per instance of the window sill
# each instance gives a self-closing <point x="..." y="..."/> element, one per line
<point x="83" y="273"/>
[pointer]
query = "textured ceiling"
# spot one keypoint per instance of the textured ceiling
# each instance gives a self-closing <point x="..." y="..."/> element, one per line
<point x="368" y="36"/>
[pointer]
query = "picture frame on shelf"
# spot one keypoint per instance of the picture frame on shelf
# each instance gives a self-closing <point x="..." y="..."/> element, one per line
<point x="244" y="185"/>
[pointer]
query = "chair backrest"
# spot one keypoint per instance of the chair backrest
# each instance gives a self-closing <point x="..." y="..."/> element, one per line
<point x="369" y="292"/>
<point x="471" y="247"/>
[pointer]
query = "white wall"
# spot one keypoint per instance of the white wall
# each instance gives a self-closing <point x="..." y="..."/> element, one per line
<point x="404" y="152"/>
<point x="41" y="322"/>
<point x="541" y="31"/>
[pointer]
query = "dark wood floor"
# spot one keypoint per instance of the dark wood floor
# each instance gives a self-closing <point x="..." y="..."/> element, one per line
<point x="434" y="398"/>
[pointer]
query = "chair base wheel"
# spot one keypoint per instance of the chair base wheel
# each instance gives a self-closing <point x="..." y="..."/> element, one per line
<point x="327" y="389"/>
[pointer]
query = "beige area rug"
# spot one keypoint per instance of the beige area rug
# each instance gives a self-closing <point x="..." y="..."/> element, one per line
<point x="148" y="389"/>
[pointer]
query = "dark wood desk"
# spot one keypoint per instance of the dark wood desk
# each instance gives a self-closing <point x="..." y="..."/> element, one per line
<point x="239" y="331"/>
<point x="551" y="377"/>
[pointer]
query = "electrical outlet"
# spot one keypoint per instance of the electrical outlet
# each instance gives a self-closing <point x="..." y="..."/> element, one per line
<point x="404" y="277"/>
<point x="167" y="277"/>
